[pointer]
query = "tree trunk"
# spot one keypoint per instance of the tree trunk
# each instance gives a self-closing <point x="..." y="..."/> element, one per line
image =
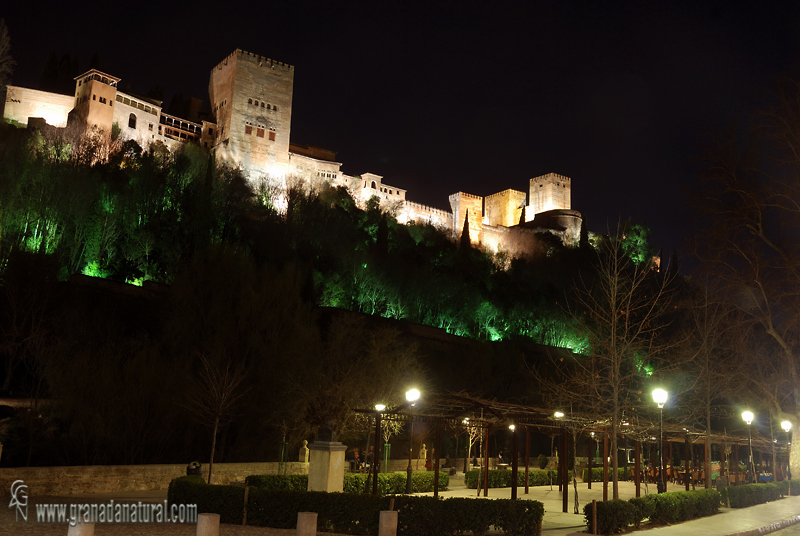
<point x="213" y="447"/>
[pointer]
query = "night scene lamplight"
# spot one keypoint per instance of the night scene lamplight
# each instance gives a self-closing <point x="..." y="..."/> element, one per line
<point x="558" y="414"/>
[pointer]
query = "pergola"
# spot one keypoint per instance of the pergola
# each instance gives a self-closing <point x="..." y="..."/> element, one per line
<point x="451" y="409"/>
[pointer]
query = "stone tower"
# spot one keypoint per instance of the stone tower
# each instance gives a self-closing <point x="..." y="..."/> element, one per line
<point x="251" y="98"/>
<point x="549" y="192"/>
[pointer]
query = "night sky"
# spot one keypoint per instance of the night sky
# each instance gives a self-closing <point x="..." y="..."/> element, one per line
<point x="439" y="97"/>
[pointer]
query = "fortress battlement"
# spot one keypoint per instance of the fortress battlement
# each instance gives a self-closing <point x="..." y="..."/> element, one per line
<point x="419" y="207"/>
<point x="465" y="195"/>
<point x="263" y="61"/>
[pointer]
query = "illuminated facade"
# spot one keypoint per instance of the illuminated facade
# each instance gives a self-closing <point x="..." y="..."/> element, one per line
<point x="251" y="103"/>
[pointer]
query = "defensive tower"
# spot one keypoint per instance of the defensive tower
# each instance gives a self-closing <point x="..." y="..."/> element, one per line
<point x="251" y="98"/>
<point x="549" y="192"/>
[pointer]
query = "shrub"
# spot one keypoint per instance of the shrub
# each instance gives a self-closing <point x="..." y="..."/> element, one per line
<point x="227" y="501"/>
<point x="663" y="508"/>
<point x="612" y="516"/>
<point x="542" y="461"/>
<point x="644" y="507"/>
<point x="290" y="482"/>
<point x="751" y="494"/>
<point x="501" y="478"/>
<point x="346" y="513"/>
<point x="597" y="474"/>
<point x="784" y="487"/>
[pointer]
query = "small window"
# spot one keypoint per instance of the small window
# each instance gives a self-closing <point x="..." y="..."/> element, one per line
<point x="94" y="97"/>
<point x="248" y="130"/>
<point x="268" y="107"/>
<point x="262" y="104"/>
<point x="150" y="127"/>
<point x="260" y="132"/>
<point x="132" y="121"/>
<point x="275" y="108"/>
<point x="256" y="103"/>
<point x="374" y="186"/>
<point x="249" y="101"/>
<point x="271" y="136"/>
<point x="210" y="131"/>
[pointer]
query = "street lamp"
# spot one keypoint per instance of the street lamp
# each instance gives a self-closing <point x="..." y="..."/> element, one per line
<point x="660" y="398"/>
<point x="786" y="425"/>
<point x="748" y="418"/>
<point x="412" y="395"/>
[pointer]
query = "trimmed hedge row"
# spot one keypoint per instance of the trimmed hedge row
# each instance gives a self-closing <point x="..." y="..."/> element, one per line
<point x="359" y="514"/>
<point x="751" y="494"/>
<point x="388" y="484"/>
<point x="501" y="478"/>
<point x="597" y="474"/>
<point x="663" y="508"/>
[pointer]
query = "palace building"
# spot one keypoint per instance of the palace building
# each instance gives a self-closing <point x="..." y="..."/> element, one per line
<point x="249" y="126"/>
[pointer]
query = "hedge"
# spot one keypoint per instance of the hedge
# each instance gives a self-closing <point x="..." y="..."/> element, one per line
<point x="751" y="494"/>
<point x="501" y="478"/>
<point x="388" y="484"/>
<point x="597" y="474"/>
<point x="662" y="508"/>
<point x="359" y="514"/>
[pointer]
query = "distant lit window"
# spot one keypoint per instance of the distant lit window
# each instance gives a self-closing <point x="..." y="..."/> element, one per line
<point x="132" y="121"/>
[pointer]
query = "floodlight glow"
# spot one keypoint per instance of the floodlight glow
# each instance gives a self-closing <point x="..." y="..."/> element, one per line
<point x="747" y="416"/>
<point x="660" y="397"/>
<point x="786" y="425"/>
<point x="412" y="395"/>
<point x="558" y="414"/>
<point x="512" y="427"/>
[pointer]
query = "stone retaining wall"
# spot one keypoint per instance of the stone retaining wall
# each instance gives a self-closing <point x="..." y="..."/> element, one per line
<point x="115" y="478"/>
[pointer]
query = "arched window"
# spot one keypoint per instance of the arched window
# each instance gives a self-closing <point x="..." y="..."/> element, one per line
<point x="269" y="107"/>
<point x="132" y="121"/>
<point x="249" y="101"/>
<point x="262" y="104"/>
<point x="275" y="108"/>
<point x="374" y="186"/>
<point x="256" y="103"/>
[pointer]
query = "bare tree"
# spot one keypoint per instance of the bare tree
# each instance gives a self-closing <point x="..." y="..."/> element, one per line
<point x="750" y="198"/>
<point x="6" y="61"/>
<point x="215" y="396"/>
<point x="621" y="314"/>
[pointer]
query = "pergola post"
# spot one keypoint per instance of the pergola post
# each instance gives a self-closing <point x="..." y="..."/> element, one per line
<point x="514" y="462"/>
<point x="605" y="466"/>
<point x="486" y="464"/>
<point x="591" y="456"/>
<point x="637" y="471"/>
<point x="564" y="468"/>
<point x="435" y="456"/>
<point x="706" y="464"/>
<point x="688" y="454"/>
<point x="527" y="456"/>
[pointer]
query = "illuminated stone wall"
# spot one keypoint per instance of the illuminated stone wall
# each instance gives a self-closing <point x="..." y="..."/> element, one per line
<point x="504" y="208"/>
<point x="251" y="98"/>
<point x="22" y="103"/>
<point x="463" y="204"/>
<point x="549" y="192"/>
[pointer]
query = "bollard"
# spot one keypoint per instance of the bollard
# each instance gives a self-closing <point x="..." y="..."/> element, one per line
<point x="207" y="525"/>
<point x="387" y="524"/>
<point x="81" y="529"/>
<point x="306" y="524"/>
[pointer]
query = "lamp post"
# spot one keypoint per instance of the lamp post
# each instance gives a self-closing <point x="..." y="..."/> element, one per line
<point x="660" y="398"/>
<point x="748" y="418"/>
<point x="466" y="439"/>
<point x="412" y="396"/>
<point x="786" y="425"/>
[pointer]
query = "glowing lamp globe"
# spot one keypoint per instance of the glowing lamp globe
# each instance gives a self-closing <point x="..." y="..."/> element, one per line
<point x="660" y="397"/>
<point x="380" y="407"/>
<point x="747" y="416"/>
<point x="412" y="395"/>
<point x="786" y="425"/>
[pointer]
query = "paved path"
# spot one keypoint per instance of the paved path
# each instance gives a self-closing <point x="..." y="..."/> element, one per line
<point x="742" y="522"/>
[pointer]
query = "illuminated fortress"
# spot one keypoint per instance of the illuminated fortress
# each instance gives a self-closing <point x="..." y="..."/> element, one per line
<point x="249" y="126"/>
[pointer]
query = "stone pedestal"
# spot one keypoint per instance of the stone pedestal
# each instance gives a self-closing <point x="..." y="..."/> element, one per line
<point x="306" y="524"/>
<point x="81" y="529"/>
<point x="387" y="523"/>
<point x="326" y="466"/>
<point x="207" y="525"/>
